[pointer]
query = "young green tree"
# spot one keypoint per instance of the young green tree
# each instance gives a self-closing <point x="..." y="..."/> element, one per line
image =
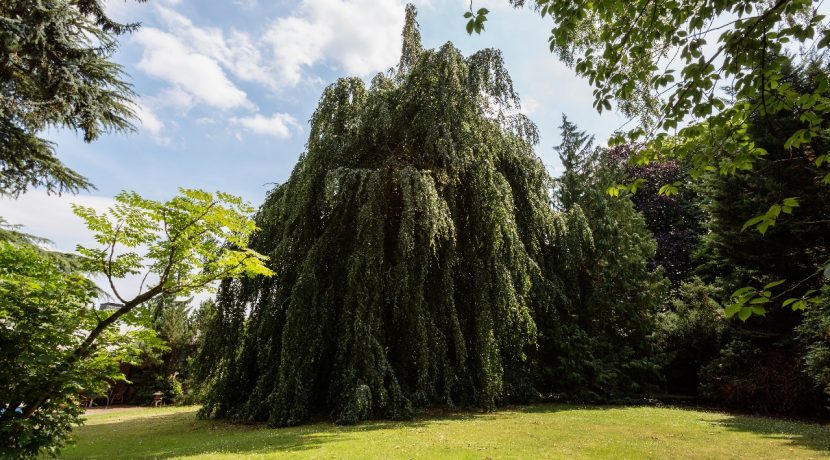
<point x="56" y="70"/>
<point x="180" y="247"/>
<point x="43" y="311"/>
<point x="577" y="155"/>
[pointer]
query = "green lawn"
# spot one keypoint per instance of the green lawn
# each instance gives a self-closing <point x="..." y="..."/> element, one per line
<point x="547" y="431"/>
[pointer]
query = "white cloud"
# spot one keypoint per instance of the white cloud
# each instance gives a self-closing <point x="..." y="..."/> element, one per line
<point x="529" y="105"/>
<point x="202" y="65"/>
<point x="194" y="74"/>
<point x="295" y="43"/>
<point x="235" y="51"/>
<point x="51" y="217"/>
<point x="278" y="125"/>
<point x="150" y="123"/>
<point x="245" y="3"/>
<point x="360" y="36"/>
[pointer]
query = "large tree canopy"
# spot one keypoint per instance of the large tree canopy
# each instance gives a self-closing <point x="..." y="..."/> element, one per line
<point x="416" y="250"/>
<point x="55" y="71"/>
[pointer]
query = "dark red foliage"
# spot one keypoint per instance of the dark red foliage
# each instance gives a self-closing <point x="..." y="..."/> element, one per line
<point x="675" y="221"/>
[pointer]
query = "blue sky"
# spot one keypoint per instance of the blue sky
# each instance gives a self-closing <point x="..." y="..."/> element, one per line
<point x="226" y="90"/>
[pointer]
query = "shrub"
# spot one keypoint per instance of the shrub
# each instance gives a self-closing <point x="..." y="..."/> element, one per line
<point x="767" y="380"/>
<point x="689" y="333"/>
<point x="814" y="333"/>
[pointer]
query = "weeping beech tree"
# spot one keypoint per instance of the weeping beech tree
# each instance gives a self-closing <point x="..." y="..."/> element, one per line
<point x="415" y="250"/>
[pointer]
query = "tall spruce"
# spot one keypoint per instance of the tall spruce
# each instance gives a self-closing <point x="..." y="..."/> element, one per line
<point x="612" y="292"/>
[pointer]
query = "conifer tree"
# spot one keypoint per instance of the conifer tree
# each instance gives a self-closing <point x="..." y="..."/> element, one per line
<point x="612" y="293"/>
<point x="56" y="71"/>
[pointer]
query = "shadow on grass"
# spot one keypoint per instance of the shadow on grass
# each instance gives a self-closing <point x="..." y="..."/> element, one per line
<point x="146" y="434"/>
<point x="181" y="434"/>
<point x="809" y="435"/>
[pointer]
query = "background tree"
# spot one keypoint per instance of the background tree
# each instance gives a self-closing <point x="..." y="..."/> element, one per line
<point x="613" y="294"/>
<point x="795" y="247"/>
<point x="180" y="246"/>
<point x="693" y="100"/>
<point x="165" y="369"/>
<point x="56" y="71"/>
<point x="12" y="234"/>
<point x="676" y="218"/>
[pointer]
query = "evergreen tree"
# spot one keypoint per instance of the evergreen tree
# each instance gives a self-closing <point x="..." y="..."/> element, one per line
<point x="613" y="293"/>
<point x="576" y="153"/>
<point x="56" y="71"/>
<point x="796" y="248"/>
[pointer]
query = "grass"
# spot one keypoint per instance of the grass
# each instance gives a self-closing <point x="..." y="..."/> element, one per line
<point x="544" y="431"/>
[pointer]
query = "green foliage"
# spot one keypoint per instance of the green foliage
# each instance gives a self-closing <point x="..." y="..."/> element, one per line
<point x="181" y="245"/>
<point x="814" y="332"/>
<point x="419" y="257"/>
<point x="11" y="234"/>
<point x="656" y="61"/>
<point x="690" y="333"/>
<point x="197" y="382"/>
<point x="476" y="20"/>
<point x="755" y="372"/>
<point x="787" y="246"/>
<point x="698" y="75"/>
<point x="612" y="293"/>
<point x="189" y="242"/>
<point x="171" y="369"/>
<point x="578" y="156"/>
<point x="56" y="71"/>
<point x="43" y="314"/>
<point x="408" y="243"/>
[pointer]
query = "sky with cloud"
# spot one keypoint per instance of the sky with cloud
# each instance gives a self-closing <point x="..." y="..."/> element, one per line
<point x="226" y="90"/>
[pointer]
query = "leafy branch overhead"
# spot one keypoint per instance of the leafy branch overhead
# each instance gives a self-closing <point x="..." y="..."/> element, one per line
<point x="696" y="75"/>
<point x="476" y="20"/>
